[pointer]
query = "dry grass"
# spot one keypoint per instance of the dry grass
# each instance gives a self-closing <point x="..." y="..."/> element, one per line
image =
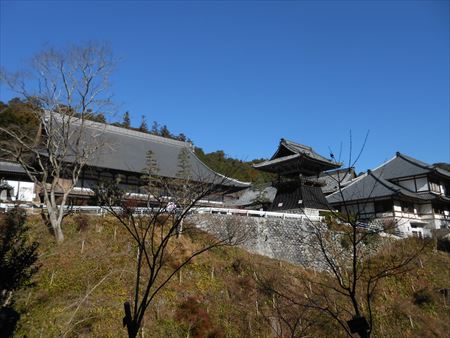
<point x="83" y="283"/>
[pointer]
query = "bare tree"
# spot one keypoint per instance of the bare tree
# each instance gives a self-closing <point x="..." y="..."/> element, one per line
<point x="156" y="227"/>
<point x="357" y="252"/>
<point x="64" y="88"/>
<point x="285" y="316"/>
<point x="353" y="254"/>
<point x="354" y="261"/>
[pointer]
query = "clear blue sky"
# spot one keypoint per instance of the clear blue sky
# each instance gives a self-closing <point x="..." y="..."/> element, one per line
<point x="238" y="76"/>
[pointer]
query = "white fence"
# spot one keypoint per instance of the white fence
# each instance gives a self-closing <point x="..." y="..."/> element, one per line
<point x="256" y="213"/>
<point x="95" y="210"/>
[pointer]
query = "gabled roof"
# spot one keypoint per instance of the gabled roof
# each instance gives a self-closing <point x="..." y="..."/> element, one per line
<point x="377" y="183"/>
<point x="292" y="153"/>
<point x="370" y="186"/>
<point x="404" y="166"/>
<point x="126" y="150"/>
<point x="332" y="179"/>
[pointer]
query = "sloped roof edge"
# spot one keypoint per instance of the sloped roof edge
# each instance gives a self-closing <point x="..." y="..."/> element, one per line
<point x="130" y="141"/>
<point x="423" y="164"/>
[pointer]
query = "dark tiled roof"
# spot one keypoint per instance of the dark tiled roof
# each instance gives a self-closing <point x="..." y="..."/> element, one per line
<point x="403" y="166"/>
<point x="289" y="151"/>
<point x="125" y="150"/>
<point x="11" y="167"/>
<point x="368" y="186"/>
<point x="308" y="151"/>
<point x="377" y="183"/>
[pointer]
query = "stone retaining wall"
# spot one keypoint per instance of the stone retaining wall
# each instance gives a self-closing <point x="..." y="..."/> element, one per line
<point x="287" y="239"/>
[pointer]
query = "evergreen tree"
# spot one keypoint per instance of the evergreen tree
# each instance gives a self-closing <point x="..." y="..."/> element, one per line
<point x="151" y="172"/>
<point x="18" y="114"/>
<point x="143" y="127"/>
<point x="18" y="258"/>
<point x="164" y="132"/>
<point x="17" y="255"/>
<point x="184" y="167"/>
<point x="182" y="137"/>
<point x="155" y="128"/>
<point x="183" y="184"/>
<point x="126" y="120"/>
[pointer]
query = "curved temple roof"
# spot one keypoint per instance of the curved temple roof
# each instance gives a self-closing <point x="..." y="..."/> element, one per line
<point x="126" y="150"/>
<point x="293" y="157"/>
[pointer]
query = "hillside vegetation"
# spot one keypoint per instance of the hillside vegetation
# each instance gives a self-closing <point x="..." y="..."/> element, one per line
<point x="82" y="284"/>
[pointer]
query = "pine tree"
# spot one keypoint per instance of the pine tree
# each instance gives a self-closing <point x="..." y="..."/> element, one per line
<point x="164" y="132"/>
<point x="143" y="127"/>
<point x="184" y="183"/>
<point x="126" y="120"/>
<point x="182" y="137"/>
<point x="184" y="167"/>
<point x="151" y="172"/>
<point x="155" y="128"/>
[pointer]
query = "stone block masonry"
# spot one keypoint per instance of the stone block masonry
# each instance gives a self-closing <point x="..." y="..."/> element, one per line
<point x="290" y="240"/>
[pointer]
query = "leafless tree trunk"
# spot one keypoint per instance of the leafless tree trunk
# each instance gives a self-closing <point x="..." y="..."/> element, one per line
<point x="353" y="260"/>
<point x="155" y="228"/>
<point x="64" y="88"/>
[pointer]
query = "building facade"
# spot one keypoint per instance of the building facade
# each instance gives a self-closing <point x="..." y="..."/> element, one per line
<point x="122" y="158"/>
<point x="404" y="192"/>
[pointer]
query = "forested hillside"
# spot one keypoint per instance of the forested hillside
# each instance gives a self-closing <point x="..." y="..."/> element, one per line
<point x="241" y="170"/>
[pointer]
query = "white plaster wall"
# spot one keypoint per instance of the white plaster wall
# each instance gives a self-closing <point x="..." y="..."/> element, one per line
<point x="24" y="191"/>
<point x="404" y="226"/>
<point x="311" y="212"/>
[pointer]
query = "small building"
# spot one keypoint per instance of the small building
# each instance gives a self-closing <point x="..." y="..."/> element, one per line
<point x="405" y="193"/>
<point x="298" y="168"/>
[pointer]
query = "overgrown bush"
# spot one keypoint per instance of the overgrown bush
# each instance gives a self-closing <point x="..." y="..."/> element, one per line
<point x="193" y="313"/>
<point x="17" y="265"/>
<point x="238" y="265"/>
<point x="81" y="222"/>
<point x="423" y="297"/>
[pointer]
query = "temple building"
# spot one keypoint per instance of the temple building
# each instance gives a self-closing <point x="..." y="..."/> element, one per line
<point x="405" y="193"/>
<point x="297" y="168"/>
<point x="121" y="158"/>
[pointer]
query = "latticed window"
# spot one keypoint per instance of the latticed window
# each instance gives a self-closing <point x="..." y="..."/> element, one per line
<point x="435" y="186"/>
